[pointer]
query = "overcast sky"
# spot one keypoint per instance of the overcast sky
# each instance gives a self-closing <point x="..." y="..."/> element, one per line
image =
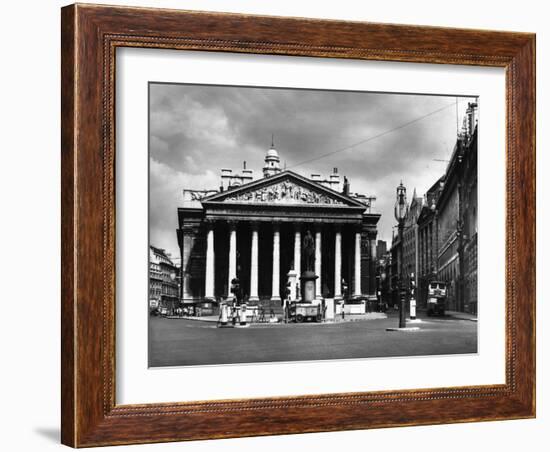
<point x="196" y="130"/>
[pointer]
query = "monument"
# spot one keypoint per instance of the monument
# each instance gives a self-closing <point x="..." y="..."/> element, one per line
<point x="308" y="276"/>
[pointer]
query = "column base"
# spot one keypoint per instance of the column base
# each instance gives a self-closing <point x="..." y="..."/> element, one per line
<point x="253" y="299"/>
<point x="276" y="299"/>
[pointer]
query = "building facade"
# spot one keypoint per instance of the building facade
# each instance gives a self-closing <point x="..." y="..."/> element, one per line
<point x="456" y="212"/>
<point x="163" y="285"/>
<point x="253" y="230"/>
<point x="381" y="249"/>
<point x="428" y="241"/>
<point x="410" y="238"/>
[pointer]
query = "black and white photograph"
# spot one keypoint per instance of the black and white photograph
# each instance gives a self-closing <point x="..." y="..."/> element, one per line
<point x="302" y="225"/>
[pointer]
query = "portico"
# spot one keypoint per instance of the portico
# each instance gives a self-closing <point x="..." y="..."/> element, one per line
<point x="255" y="232"/>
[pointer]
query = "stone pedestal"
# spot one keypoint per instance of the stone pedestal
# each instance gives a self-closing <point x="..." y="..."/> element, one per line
<point x="308" y="280"/>
<point x="329" y="309"/>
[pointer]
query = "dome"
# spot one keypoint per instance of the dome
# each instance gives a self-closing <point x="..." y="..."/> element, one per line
<point x="272" y="153"/>
<point x="272" y="161"/>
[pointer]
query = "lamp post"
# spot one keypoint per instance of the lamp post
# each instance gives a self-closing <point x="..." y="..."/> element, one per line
<point x="400" y="212"/>
<point x="172" y="278"/>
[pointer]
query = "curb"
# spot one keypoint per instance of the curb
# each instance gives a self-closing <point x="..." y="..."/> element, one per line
<point x="404" y="330"/>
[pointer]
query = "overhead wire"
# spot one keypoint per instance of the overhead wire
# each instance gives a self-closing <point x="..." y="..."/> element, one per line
<point x="381" y="134"/>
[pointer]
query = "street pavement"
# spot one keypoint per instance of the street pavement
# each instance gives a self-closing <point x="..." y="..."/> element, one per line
<point x="180" y="342"/>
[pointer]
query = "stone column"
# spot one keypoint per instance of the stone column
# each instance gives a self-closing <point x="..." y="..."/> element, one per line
<point x="209" y="274"/>
<point x="318" y="258"/>
<point x="338" y="263"/>
<point x="297" y="250"/>
<point x="357" y="288"/>
<point x="374" y="265"/>
<point x="254" y="264"/>
<point x="275" y="285"/>
<point x="232" y="256"/>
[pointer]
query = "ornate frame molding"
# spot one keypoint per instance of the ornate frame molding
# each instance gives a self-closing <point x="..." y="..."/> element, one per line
<point x="90" y="37"/>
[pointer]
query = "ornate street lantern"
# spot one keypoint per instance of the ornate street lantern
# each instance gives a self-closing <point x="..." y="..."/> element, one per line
<point x="400" y="209"/>
<point x="400" y="212"/>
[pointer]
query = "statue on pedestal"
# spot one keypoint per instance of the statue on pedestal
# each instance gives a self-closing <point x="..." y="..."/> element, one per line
<point x="309" y="251"/>
<point x="308" y="277"/>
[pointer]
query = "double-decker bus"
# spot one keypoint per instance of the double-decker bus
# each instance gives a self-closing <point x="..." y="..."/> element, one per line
<point x="437" y="298"/>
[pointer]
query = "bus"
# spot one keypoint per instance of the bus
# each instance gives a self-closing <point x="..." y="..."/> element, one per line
<point x="437" y="298"/>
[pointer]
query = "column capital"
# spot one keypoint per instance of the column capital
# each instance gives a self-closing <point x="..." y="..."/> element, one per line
<point x="232" y="224"/>
<point x="317" y="227"/>
<point x="276" y="225"/>
<point x="209" y="222"/>
<point x="254" y="225"/>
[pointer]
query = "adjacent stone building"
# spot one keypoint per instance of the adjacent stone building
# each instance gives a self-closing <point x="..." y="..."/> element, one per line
<point x="440" y="231"/>
<point x="253" y="229"/>
<point x="456" y="212"/>
<point x="427" y="241"/>
<point x="381" y="249"/>
<point x="163" y="284"/>
<point x="410" y="237"/>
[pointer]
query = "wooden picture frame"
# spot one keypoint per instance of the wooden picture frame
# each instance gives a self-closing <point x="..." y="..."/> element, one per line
<point x="90" y="36"/>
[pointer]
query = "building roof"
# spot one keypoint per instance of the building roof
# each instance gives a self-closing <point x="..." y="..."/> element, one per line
<point x="287" y="175"/>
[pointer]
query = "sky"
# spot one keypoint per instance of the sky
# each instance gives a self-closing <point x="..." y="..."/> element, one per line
<point x="375" y="139"/>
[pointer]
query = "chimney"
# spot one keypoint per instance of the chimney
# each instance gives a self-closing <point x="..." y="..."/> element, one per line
<point x="334" y="180"/>
<point x="247" y="176"/>
<point x="226" y="178"/>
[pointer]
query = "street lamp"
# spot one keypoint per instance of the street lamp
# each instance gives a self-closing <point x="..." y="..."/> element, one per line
<point x="400" y="212"/>
<point x="383" y="299"/>
<point x="172" y="278"/>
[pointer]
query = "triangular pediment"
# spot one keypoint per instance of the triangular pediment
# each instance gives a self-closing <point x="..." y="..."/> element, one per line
<point x="285" y="188"/>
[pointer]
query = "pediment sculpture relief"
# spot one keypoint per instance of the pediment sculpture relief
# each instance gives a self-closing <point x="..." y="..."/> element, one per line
<point x="285" y="192"/>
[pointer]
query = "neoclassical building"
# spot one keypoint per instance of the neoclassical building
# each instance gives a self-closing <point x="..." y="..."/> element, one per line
<point x="253" y="229"/>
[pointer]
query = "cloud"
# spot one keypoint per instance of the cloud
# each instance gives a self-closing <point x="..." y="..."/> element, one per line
<point x="165" y="195"/>
<point x="195" y="130"/>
